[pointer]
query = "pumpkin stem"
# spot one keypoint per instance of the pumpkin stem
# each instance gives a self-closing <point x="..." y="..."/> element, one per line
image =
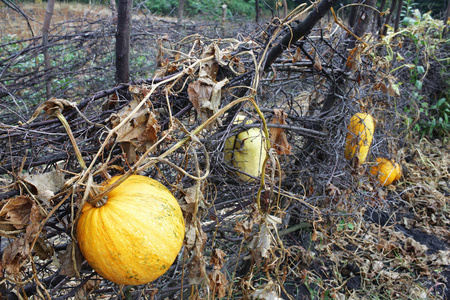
<point x="102" y="201"/>
<point x="97" y="197"/>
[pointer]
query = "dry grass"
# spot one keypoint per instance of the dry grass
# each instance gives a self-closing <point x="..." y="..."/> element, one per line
<point x="14" y="23"/>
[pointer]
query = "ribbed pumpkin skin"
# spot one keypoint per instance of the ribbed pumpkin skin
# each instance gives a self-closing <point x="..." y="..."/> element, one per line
<point x="359" y="136"/>
<point x="385" y="171"/>
<point x="246" y="151"/>
<point x="135" y="237"/>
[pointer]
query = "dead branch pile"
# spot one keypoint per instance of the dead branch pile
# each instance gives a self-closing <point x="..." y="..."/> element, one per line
<point x="173" y="128"/>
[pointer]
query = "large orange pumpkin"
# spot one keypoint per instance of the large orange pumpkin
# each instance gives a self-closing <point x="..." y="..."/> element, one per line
<point x="386" y="171"/>
<point x="359" y="136"/>
<point x="136" y="235"/>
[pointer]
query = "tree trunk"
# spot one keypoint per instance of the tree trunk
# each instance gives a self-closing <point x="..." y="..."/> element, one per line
<point x="45" y="31"/>
<point x="362" y="22"/>
<point x="446" y="16"/>
<point x="383" y="30"/>
<point x="180" y="11"/>
<point x="123" y="41"/>
<point x="378" y="23"/>
<point x="397" y="18"/>
<point x="353" y="14"/>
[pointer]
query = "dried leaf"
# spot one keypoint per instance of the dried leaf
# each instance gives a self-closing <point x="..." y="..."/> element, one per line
<point x="262" y="243"/>
<point x="205" y="93"/>
<point x="217" y="258"/>
<point x="42" y="249"/>
<point x="70" y="260"/>
<point x="14" y="254"/>
<point x="277" y="135"/>
<point x="45" y="185"/>
<point x="441" y="258"/>
<point x="198" y="93"/>
<point x="297" y="55"/>
<point x="269" y="292"/>
<point x="317" y="64"/>
<point x="51" y="105"/>
<point x="16" y="212"/>
<point x="190" y="236"/>
<point x="265" y="295"/>
<point x="192" y="201"/>
<point x="141" y="131"/>
<point x="414" y="247"/>
<point x="353" y="59"/>
<point x="245" y="228"/>
<point x="217" y="283"/>
<point x="197" y="265"/>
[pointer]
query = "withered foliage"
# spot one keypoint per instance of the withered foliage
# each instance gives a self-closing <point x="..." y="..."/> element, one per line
<point x="313" y="225"/>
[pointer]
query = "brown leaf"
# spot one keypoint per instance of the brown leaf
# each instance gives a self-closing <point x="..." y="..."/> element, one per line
<point x="14" y="254"/>
<point x="245" y="228"/>
<point x="236" y="63"/>
<point x="51" y="105"/>
<point x="190" y="236"/>
<point x="205" y="93"/>
<point x="217" y="283"/>
<point x="141" y="131"/>
<point x="217" y="258"/>
<point x="317" y="64"/>
<point x="354" y="58"/>
<point x="414" y="247"/>
<point x="16" y="211"/>
<point x="297" y="55"/>
<point x="70" y="260"/>
<point x="263" y="241"/>
<point x="42" y="249"/>
<point x="194" y="94"/>
<point x="277" y="135"/>
<point x="45" y="185"/>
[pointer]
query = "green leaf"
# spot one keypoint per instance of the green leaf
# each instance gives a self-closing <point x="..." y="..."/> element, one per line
<point x="418" y="84"/>
<point x="420" y="69"/>
<point x="440" y="102"/>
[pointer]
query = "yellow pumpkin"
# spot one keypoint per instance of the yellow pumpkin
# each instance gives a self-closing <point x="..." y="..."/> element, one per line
<point x="359" y="136"/>
<point x="246" y="151"/>
<point x="229" y="142"/>
<point x="136" y="235"/>
<point x="386" y="171"/>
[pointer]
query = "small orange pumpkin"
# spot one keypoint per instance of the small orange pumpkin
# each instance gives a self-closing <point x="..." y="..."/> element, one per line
<point x="359" y="136"/>
<point x="386" y="171"/>
<point x="136" y="235"/>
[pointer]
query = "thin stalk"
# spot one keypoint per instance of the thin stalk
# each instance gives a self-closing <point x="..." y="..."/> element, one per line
<point x="64" y="122"/>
